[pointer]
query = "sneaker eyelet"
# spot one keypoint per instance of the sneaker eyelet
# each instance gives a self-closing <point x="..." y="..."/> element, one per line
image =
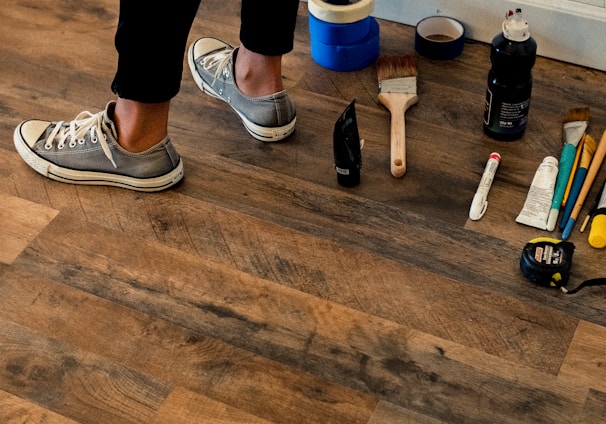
<point x="72" y="143"/>
<point x="48" y="146"/>
<point x="81" y="141"/>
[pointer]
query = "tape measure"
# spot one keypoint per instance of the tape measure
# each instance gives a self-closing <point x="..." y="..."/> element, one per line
<point x="547" y="262"/>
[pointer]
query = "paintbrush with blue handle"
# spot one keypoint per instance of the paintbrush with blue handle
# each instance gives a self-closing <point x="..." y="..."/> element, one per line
<point x="575" y="124"/>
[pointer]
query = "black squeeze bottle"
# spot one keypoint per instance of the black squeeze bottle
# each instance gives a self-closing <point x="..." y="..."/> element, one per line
<point x="513" y="54"/>
<point x="346" y="148"/>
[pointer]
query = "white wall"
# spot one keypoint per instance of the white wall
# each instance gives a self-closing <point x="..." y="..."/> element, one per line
<point x="569" y="30"/>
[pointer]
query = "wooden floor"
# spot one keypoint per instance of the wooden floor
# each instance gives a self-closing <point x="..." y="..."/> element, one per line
<point x="259" y="290"/>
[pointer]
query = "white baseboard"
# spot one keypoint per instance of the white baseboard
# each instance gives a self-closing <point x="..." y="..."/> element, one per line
<point x="564" y="30"/>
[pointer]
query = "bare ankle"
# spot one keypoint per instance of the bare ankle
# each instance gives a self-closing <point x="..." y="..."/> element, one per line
<point x="140" y="125"/>
<point x="257" y="74"/>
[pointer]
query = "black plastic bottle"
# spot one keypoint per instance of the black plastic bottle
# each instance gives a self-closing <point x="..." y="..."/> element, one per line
<point x="347" y="149"/>
<point x="513" y="54"/>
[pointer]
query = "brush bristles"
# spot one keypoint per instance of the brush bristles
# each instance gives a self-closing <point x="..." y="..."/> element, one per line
<point x="390" y="67"/>
<point x="577" y="114"/>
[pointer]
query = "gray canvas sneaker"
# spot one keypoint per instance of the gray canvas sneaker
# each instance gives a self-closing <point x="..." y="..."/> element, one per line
<point x="85" y="151"/>
<point x="267" y="118"/>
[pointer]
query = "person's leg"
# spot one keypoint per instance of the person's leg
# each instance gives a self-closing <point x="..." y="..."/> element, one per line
<point x="150" y="39"/>
<point x="266" y="33"/>
<point x="249" y="78"/>
<point x="258" y="74"/>
<point x="126" y="145"/>
<point x="140" y="125"/>
<point x="268" y="26"/>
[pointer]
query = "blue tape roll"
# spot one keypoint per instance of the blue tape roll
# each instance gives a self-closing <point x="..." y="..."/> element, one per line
<point x="338" y="34"/>
<point x="348" y="57"/>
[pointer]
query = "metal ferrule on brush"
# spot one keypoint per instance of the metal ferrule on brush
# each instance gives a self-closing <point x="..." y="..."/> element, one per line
<point x="407" y="85"/>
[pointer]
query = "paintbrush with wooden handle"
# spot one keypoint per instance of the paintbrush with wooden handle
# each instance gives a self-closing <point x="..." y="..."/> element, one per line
<point x="397" y="77"/>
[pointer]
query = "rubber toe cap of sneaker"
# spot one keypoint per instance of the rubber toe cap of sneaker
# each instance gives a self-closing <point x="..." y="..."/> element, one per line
<point x="31" y="131"/>
<point x="207" y="45"/>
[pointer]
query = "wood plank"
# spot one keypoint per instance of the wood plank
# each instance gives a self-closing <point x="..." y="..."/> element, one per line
<point x="71" y="382"/>
<point x="14" y="410"/>
<point x="390" y="361"/>
<point x="182" y="407"/>
<point x="178" y="355"/>
<point x="396" y="233"/>
<point x="594" y="410"/>
<point x="20" y="223"/>
<point x="586" y="357"/>
<point x="495" y="323"/>
<point x="388" y="413"/>
<point x="446" y="307"/>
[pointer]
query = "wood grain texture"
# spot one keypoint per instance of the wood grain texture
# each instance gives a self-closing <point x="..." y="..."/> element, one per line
<point x="258" y="289"/>
<point x="187" y="355"/>
<point x="584" y="359"/>
<point x="387" y="413"/>
<point x="188" y="407"/>
<point x="14" y="410"/>
<point x="594" y="410"/>
<point x="72" y="382"/>
<point x="20" y="222"/>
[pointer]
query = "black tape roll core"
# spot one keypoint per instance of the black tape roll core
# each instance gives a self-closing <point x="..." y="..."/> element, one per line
<point x="439" y="38"/>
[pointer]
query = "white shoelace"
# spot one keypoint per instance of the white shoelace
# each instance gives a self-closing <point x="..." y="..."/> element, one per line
<point x="222" y="60"/>
<point x="76" y="131"/>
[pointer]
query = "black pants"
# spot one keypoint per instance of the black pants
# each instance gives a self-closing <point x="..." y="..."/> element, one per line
<point x="152" y="34"/>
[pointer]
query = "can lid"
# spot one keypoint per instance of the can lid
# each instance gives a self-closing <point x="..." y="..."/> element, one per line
<point x="515" y="28"/>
